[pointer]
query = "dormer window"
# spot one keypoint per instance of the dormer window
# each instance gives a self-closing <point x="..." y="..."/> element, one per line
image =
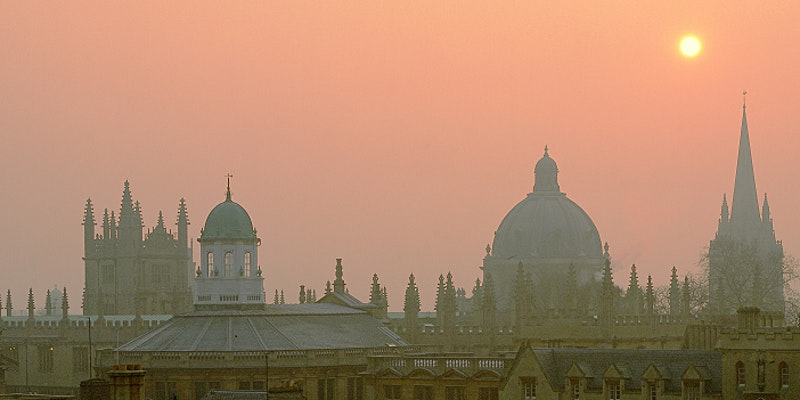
<point x="614" y="390"/>
<point x="691" y="390"/>
<point x="575" y="386"/>
<point x="528" y="388"/>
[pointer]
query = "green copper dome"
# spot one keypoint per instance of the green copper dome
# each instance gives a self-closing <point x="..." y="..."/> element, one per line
<point x="228" y="220"/>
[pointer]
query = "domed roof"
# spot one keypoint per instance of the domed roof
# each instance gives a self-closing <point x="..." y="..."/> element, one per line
<point x="228" y="220"/>
<point x="546" y="224"/>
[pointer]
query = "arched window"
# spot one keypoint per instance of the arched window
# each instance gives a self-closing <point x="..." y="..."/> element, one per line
<point x="783" y="373"/>
<point x="740" y="373"/>
<point x="210" y="264"/>
<point x="247" y="263"/>
<point x="228" y="264"/>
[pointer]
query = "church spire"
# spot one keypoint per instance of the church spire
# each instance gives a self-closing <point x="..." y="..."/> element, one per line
<point x="744" y="207"/>
<point x="228" y="192"/>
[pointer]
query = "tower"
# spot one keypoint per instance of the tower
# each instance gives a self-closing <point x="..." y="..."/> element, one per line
<point x="229" y="276"/>
<point x="745" y="261"/>
<point x="129" y="272"/>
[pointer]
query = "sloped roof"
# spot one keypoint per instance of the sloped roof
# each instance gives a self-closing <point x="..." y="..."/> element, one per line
<point x="278" y="327"/>
<point x="556" y="362"/>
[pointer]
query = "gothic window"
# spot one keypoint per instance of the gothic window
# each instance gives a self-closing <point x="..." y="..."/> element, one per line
<point x="247" y="263"/>
<point x="783" y="373"/>
<point x="528" y="388"/>
<point x="454" y="393"/>
<point x="80" y="359"/>
<point x="160" y="274"/>
<point x="108" y="273"/>
<point x="228" y="263"/>
<point x="614" y="390"/>
<point x="210" y="263"/>
<point x="45" y="353"/>
<point x="740" y="373"/>
<point x="391" y="392"/>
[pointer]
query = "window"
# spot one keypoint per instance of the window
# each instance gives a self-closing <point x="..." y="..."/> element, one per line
<point x="45" y="354"/>
<point x="488" y="393"/>
<point x="108" y="274"/>
<point x="454" y="393"/>
<point x="652" y="393"/>
<point x="165" y="391"/>
<point x="614" y="390"/>
<point x="228" y="263"/>
<point x="80" y="359"/>
<point x="13" y="353"/>
<point x="783" y="374"/>
<point x="740" y="373"/>
<point x="210" y="263"/>
<point x="326" y="388"/>
<point x="355" y="388"/>
<point x="692" y="390"/>
<point x="423" y="392"/>
<point x="391" y="392"/>
<point x="160" y="274"/>
<point x="528" y="388"/>
<point x="247" y="263"/>
<point x="575" y="385"/>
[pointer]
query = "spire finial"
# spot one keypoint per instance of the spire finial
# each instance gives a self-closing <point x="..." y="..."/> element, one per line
<point x="228" y="193"/>
<point x="545" y="151"/>
<point x="744" y="99"/>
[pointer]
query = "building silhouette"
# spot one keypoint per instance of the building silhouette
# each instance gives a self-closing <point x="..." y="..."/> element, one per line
<point x="745" y="262"/>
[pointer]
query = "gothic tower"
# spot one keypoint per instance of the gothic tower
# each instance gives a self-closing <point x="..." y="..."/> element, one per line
<point x="744" y="259"/>
<point x="129" y="272"/>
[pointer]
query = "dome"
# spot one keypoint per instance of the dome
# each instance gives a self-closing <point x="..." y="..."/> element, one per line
<point x="228" y="220"/>
<point x="546" y="224"/>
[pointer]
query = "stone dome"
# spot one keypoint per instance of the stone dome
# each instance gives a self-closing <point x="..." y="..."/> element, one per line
<point x="546" y="224"/>
<point x="228" y="220"/>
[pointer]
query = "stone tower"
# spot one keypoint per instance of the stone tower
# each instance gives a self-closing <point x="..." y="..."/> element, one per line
<point x="229" y="276"/>
<point x="744" y="259"/>
<point x="128" y="271"/>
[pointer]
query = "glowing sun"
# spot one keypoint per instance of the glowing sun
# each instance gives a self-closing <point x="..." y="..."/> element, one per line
<point x="690" y="46"/>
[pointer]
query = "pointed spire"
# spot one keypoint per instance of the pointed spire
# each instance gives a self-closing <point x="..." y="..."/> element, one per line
<point x="650" y="297"/>
<point x="276" y="299"/>
<point x="282" y="299"/>
<point x="8" y="304"/>
<point x="338" y="284"/>
<point x="765" y="216"/>
<point x="106" y="225"/>
<point x="744" y="208"/>
<point x="674" y="293"/>
<point x="302" y="294"/>
<point x="686" y="297"/>
<point x="31" y="307"/>
<point x="183" y="224"/>
<point x="724" y="214"/>
<point x="48" y="304"/>
<point x="64" y="304"/>
<point x="228" y="192"/>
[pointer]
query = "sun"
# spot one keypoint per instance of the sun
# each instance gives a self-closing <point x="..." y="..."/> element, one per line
<point x="690" y="46"/>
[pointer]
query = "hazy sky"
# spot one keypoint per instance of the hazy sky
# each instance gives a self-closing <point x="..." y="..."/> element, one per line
<point x="395" y="135"/>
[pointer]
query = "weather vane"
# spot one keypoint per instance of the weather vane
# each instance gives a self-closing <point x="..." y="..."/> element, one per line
<point x="744" y="98"/>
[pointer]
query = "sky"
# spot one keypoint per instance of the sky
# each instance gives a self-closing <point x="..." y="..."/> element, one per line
<point x="394" y="135"/>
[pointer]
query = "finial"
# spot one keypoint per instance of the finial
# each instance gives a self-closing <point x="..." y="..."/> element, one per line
<point x="228" y="193"/>
<point x="744" y="99"/>
<point x="545" y="151"/>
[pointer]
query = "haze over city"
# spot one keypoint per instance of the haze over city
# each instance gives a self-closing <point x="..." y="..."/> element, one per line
<point x="394" y="136"/>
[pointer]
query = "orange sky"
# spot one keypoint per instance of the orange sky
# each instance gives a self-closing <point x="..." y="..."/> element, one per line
<point x="391" y="134"/>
